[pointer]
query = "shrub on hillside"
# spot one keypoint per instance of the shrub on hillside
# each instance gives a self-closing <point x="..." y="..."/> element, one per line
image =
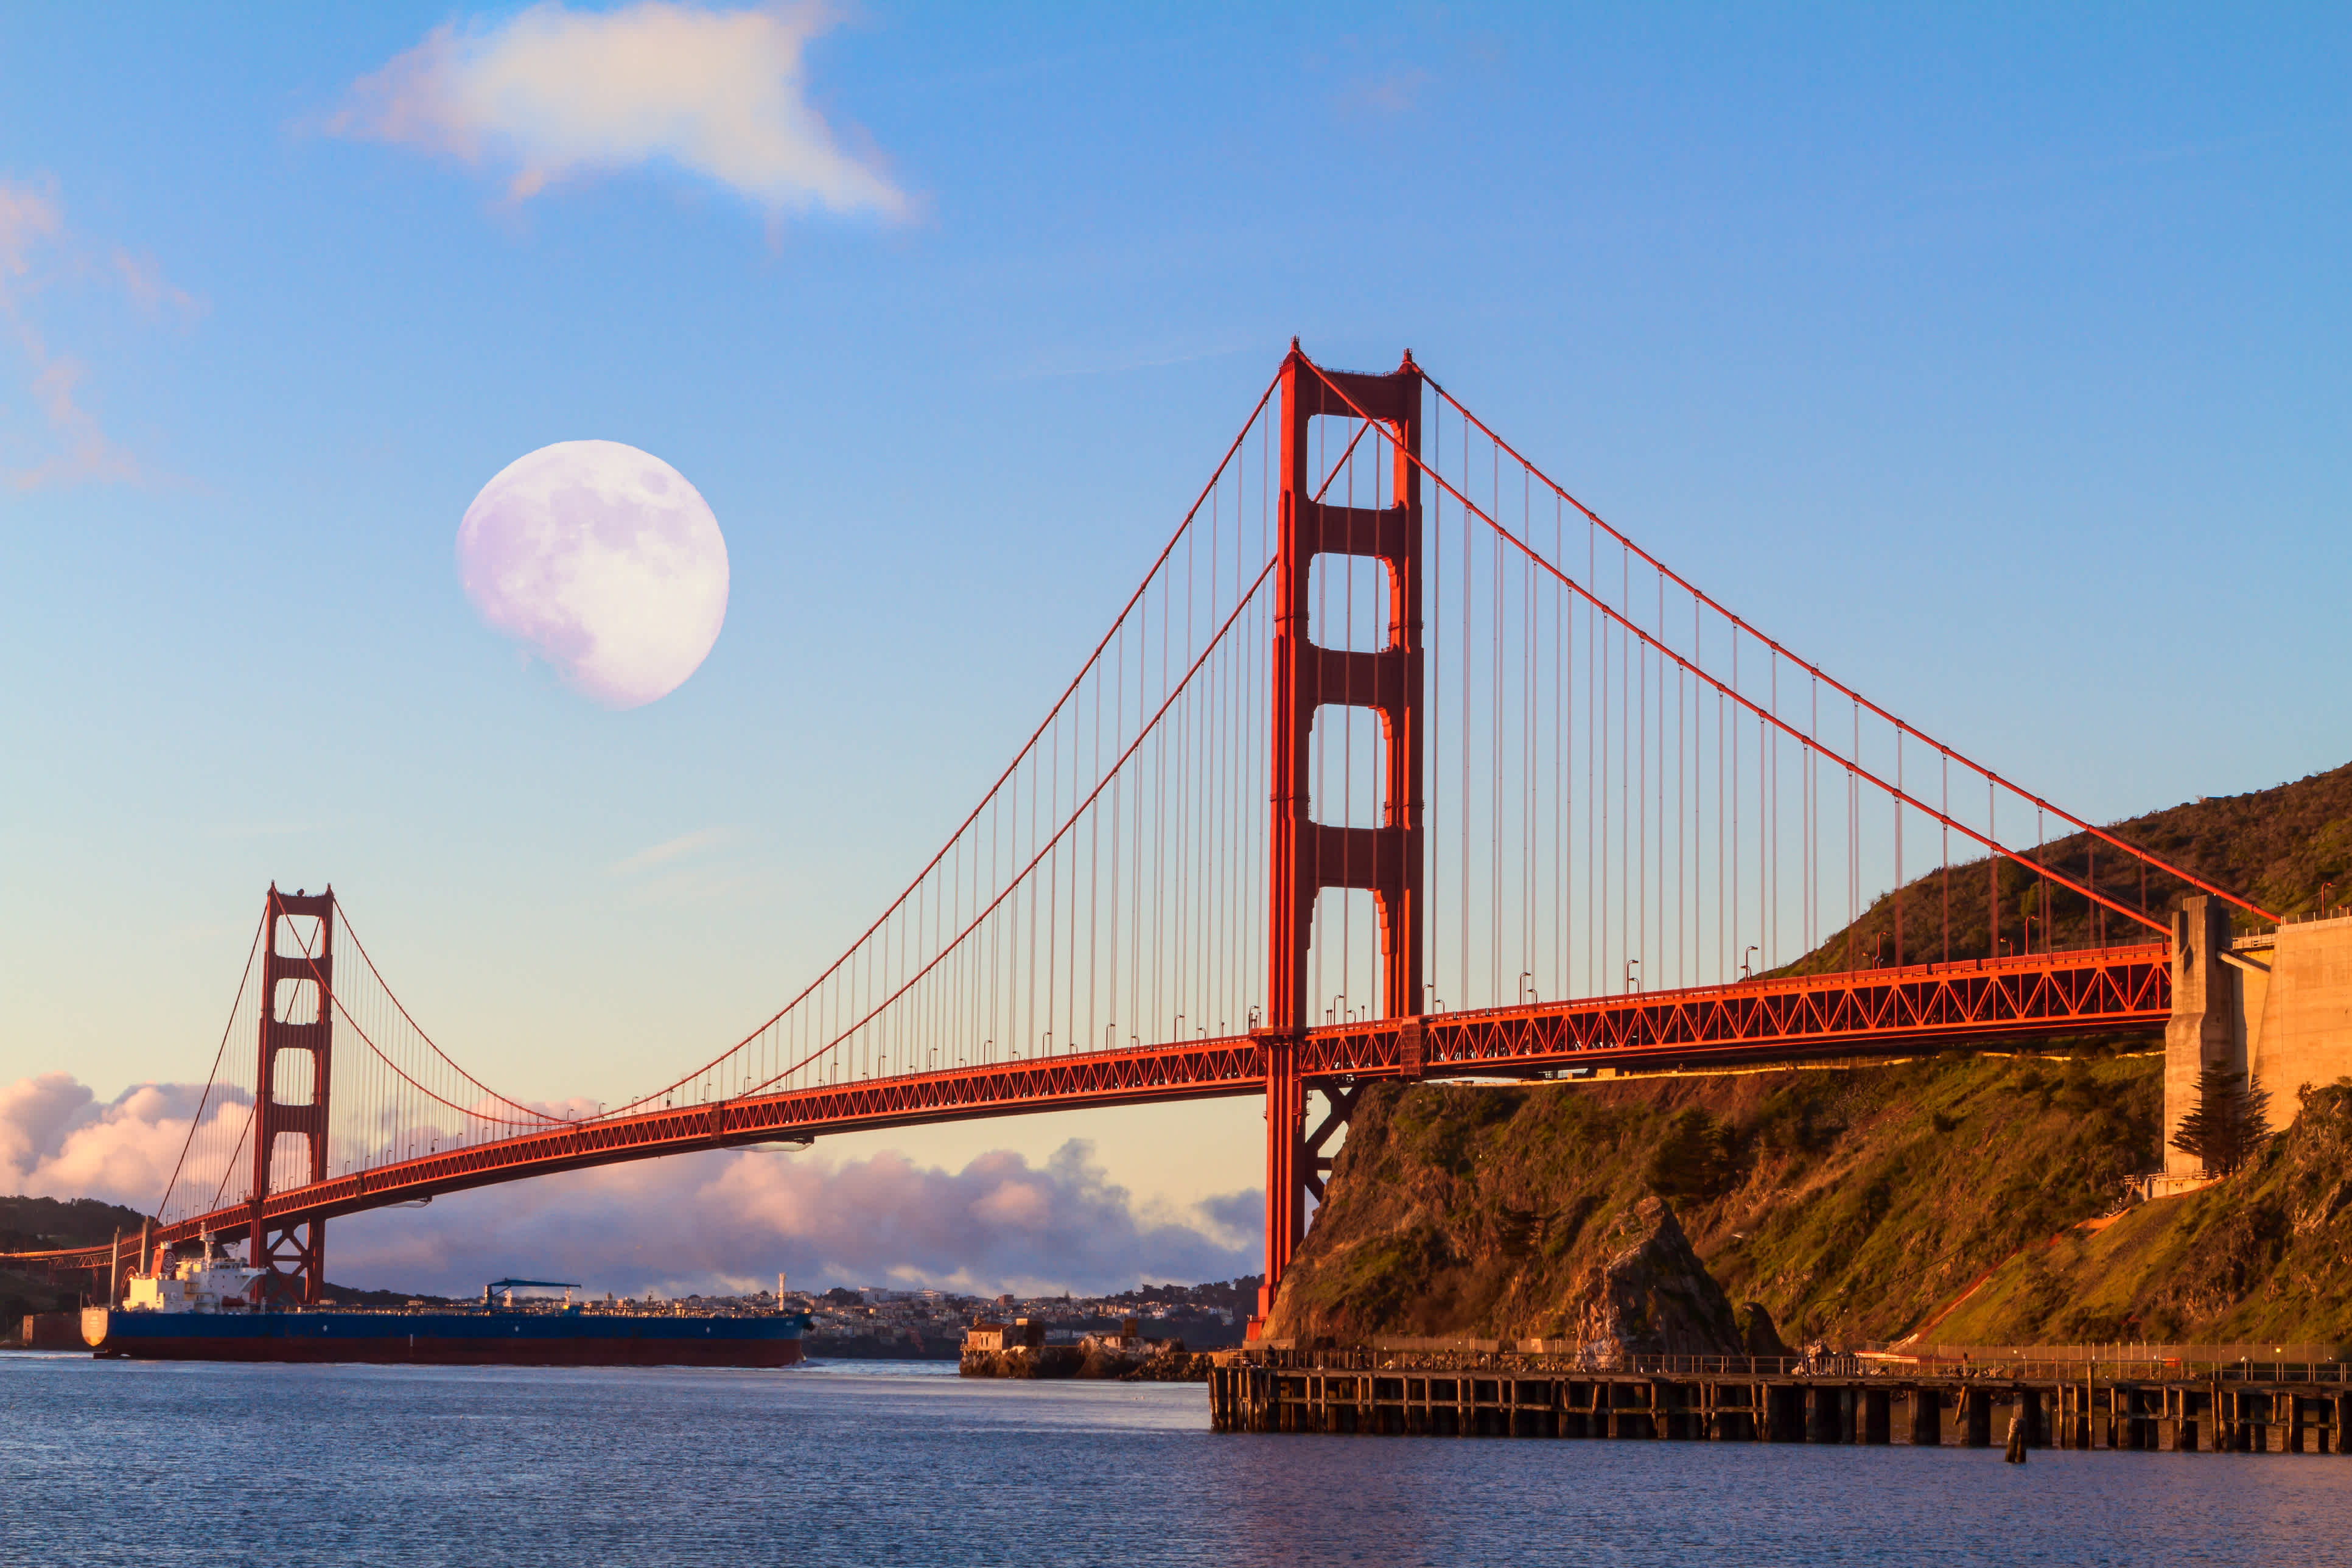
<point x="1693" y="1159"/>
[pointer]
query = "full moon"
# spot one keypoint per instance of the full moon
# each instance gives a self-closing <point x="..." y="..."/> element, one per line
<point x="604" y="562"/>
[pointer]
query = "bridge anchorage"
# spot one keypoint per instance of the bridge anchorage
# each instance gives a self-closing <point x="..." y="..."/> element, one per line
<point x="1399" y="763"/>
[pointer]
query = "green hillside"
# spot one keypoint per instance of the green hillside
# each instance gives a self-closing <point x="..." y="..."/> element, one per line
<point x="1849" y="1201"/>
<point x="1857" y="1202"/>
<point x="37" y="1225"/>
<point x="2265" y="1255"/>
<point x="2279" y="847"/>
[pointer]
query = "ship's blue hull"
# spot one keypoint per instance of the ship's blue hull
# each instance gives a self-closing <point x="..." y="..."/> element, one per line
<point x="487" y="1337"/>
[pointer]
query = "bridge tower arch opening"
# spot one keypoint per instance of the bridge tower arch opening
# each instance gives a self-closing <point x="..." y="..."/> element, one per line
<point x="297" y="1024"/>
<point x="1306" y="855"/>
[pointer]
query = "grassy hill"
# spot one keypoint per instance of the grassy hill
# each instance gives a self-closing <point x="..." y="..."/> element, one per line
<point x="2265" y="1255"/>
<point x="1849" y="1201"/>
<point x="1859" y="1202"/>
<point x="2279" y="847"/>
<point x="40" y="1225"/>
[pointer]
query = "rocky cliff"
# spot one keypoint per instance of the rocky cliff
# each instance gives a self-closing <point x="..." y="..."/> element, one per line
<point x="1860" y="1203"/>
<point x="1856" y="1203"/>
<point x="1649" y="1294"/>
<point x="1848" y="1202"/>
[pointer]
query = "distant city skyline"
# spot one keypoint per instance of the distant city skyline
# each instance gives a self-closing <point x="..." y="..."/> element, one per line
<point x="1996" y="363"/>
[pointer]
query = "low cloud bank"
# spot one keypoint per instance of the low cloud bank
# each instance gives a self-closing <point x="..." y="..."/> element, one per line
<point x="57" y="1140"/>
<point x="723" y="1221"/>
<point x="728" y="1221"/>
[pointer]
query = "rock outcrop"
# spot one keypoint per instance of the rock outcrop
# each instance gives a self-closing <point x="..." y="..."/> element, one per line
<point x="1853" y="1203"/>
<point x="1849" y="1202"/>
<point x="1024" y="1362"/>
<point x="1858" y="1203"/>
<point x="1153" y="1360"/>
<point x="1651" y="1296"/>
<point x="1758" y="1336"/>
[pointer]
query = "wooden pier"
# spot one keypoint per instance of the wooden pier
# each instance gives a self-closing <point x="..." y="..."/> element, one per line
<point x="2244" y="1407"/>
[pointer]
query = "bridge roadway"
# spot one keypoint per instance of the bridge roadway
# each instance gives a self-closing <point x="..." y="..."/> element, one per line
<point x="2116" y="990"/>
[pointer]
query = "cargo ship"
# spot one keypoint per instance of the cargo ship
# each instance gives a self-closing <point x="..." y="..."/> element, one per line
<point x="207" y="1307"/>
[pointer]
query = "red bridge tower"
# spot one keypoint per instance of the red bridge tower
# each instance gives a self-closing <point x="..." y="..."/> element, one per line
<point x="298" y="1023"/>
<point x="1310" y="856"/>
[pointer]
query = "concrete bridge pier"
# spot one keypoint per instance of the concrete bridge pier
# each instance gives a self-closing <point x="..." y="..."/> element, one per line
<point x="2275" y="1005"/>
<point x="2204" y="1013"/>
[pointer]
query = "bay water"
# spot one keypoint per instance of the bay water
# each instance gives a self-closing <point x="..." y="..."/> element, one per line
<point x="857" y="1463"/>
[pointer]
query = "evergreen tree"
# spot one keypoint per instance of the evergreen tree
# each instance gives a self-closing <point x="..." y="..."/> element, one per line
<point x="1693" y="1159"/>
<point x="2228" y="1123"/>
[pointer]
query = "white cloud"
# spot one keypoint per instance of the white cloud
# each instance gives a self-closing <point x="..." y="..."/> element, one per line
<point x="728" y="1221"/>
<point x="153" y="292"/>
<point x="28" y="218"/>
<point x="57" y="1140"/>
<point x="35" y="250"/>
<point x="554" y="94"/>
<point x="669" y="849"/>
<point x="725" y="1220"/>
<point x="1392" y="91"/>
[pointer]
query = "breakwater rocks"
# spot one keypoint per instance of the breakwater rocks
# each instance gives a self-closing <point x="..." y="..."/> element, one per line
<point x="1161" y="1362"/>
<point x="877" y="1347"/>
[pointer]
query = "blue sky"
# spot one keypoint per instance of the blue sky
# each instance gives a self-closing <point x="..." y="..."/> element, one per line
<point x="1995" y="361"/>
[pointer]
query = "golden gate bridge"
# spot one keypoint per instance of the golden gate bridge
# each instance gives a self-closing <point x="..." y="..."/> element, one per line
<point x="1400" y="762"/>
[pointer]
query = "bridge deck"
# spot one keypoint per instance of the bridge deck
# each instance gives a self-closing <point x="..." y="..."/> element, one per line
<point x="1921" y="1008"/>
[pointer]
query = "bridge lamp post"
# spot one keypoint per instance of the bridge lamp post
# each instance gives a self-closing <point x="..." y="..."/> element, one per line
<point x="1632" y="977"/>
<point x="1526" y="988"/>
<point x="1747" y="969"/>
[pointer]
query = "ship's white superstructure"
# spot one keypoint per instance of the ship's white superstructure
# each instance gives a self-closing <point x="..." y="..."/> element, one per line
<point x="211" y="1281"/>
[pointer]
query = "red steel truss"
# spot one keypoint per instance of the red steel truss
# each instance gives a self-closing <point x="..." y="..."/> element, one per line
<point x="2118" y="990"/>
<point x="2103" y="990"/>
